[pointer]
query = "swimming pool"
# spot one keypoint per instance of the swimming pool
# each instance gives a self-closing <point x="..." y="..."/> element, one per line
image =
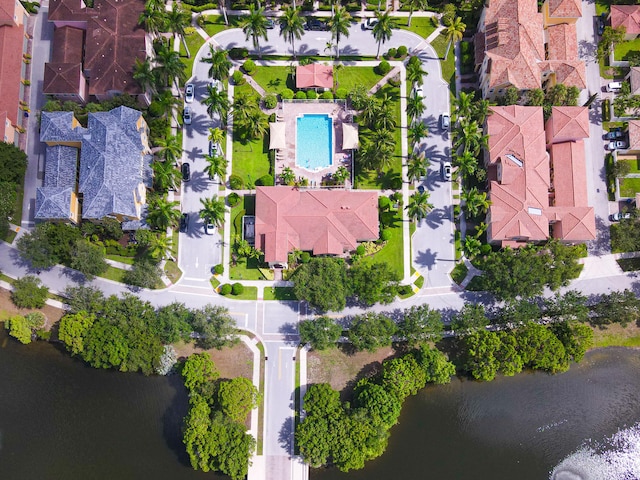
<point x="314" y="141"/>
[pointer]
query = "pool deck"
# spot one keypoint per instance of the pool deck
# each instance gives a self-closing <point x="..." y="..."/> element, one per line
<point x="286" y="157"/>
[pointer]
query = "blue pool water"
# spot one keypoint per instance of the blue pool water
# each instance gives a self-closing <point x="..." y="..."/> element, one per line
<point x="314" y="141"/>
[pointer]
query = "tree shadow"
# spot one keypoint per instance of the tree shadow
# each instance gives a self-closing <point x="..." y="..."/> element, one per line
<point x="285" y="435"/>
<point x="602" y="244"/>
<point x="426" y="259"/>
<point x="172" y="420"/>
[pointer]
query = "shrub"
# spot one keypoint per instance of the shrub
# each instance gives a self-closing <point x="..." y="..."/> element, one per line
<point x="218" y="269"/>
<point x="155" y="109"/>
<point x="402" y="51"/>
<point x="300" y="95"/>
<point x="225" y="289"/>
<point x="237" y="289"/>
<point x="287" y="94"/>
<point x="435" y="22"/>
<point x="236" y="182"/>
<point x="384" y="203"/>
<point x="249" y="67"/>
<point x="342" y="93"/>
<point x="360" y="250"/>
<point x="237" y="78"/>
<point x="383" y="68"/>
<point x="328" y="95"/>
<point x="385" y="235"/>
<point x="238" y="53"/>
<point x="312" y="94"/>
<point x="606" y="110"/>
<point x="391" y="53"/>
<point x="272" y="118"/>
<point x="28" y="292"/>
<point x="305" y="257"/>
<point x="233" y="199"/>
<point x="396" y="183"/>
<point x="448" y="13"/>
<point x="404" y="290"/>
<point x="265" y="181"/>
<point x="395" y="81"/>
<point x="270" y="101"/>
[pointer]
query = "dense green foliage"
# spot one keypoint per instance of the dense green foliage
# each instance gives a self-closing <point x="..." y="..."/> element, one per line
<point x="28" y="292"/>
<point x="127" y="333"/>
<point x="320" y="332"/>
<point x="348" y="434"/>
<point x="13" y="164"/>
<point x="22" y="327"/>
<point x="214" y="433"/>
<point x="370" y="331"/>
<point x="524" y="272"/>
<point x="49" y="244"/>
<point x="420" y="324"/>
<point x="8" y="199"/>
<point x="372" y="282"/>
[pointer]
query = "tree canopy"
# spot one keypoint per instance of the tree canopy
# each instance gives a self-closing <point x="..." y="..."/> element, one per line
<point x="323" y="283"/>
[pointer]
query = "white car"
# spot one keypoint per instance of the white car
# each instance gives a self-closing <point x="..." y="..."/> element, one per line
<point x="446" y="171"/>
<point x="617" y="145"/>
<point x="369" y="24"/>
<point x="189" y="91"/>
<point x="445" y="121"/>
<point x="418" y="91"/>
<point x="209" y="228"/>
<point x="215" y="84"/>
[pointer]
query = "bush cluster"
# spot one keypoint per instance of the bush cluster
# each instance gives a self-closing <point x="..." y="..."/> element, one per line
<point x="233" y="199"/>
<point x="270" y="101"/>
<point x="236" y="182"/>
<point x="237" y="78"/>
<point x="383" y="67"/>
<point x="249" y="67"/>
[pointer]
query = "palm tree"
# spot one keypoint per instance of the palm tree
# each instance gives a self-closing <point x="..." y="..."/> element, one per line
<point x="476" y="202"/>
<point x="291" y="27"/>
<point x="469" y="136"/>
<point x="170" y="148"/>
<point x="374" y="156"/>
<point x="220" y="63"/>
<point x="170" y="65"/>
<point x="383" y="30"/>
<point x="153" y="19"/>
<point x="415" y="106"/>
<point x="243" y="106"/>
<point x="370" y="111"/>
<point x="167" y="101"/>
<point x="472" y="246"/>
<point x="287" y="176"/>
<point x="463" y="104"/>
<point x="216" y="166"/>
<point x="258" y="124"/>
<point x="223" y="6"/>
<point x="419" y="206"/>
<point x="340" y="175"/>
<point x="383" y="138"/>
<point x="163" y="214"/>
<point x="144" y="74"/>
<point x="216" y="135"/>
<point x="415" y="5"/>
<point x="385" y="118"/>
<point x="160" y="246"/>
<point x="165" y="175"/>
<point x="467" y="163"/>
<point x="339" y="23"/>
<point x="415" y="71"/>
<point x="213" y="210"/>
<point x="454" y="31"/>
<point x="480" y="111"/>
<point x="416" y="132"/>
<point x="416" y="167"/>
<point x="217" y="101"/>
<point x="177" y="20"/>
<point x="255" y="26"/>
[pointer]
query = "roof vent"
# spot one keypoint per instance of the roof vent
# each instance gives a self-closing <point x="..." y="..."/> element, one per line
<point x="534" y="211"/>
<point x="514" y="159"/>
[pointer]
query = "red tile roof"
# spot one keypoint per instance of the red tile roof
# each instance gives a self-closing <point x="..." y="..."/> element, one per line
<point x="314" y="76"/>
<point x="563" y="42"/>
<point x="11" y="46"/>
<point x="567" y="123"/>
<point x="565" y="8"/>
<point x="634" y="135"/>
<point x="627" y="16"/>
<point x="321" y="221"/>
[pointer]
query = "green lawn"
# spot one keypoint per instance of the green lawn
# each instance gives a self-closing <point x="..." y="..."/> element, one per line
<point x="420" y="25"/>
<point x="459" y="272"/>
<point x="349" y="77"/>
<point x="629" y="187"/>
<point x="279" y="293"/>
<point x="467" y="60"/>
<point x="194" y="42"/>
<point x="114" y="274"/>
<point x="367" y="179"/>
<point x="215" y="24"/>
<point x="393" y="252"/>
<point x="623" y="48"/>
<point x="121" y="259"/>
<point x="274" y="79"/>
<point x="244" y="269"/>
<point x="172" y="271"/>
<point x="250" y="158"/>
<point x="449" y="66"/>
<point x="629" y="264"/>
<point x="249" y="293"/>
<point x="634" y="165"/>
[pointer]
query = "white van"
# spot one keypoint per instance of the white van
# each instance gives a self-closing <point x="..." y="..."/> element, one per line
<point x="614" y="86"/>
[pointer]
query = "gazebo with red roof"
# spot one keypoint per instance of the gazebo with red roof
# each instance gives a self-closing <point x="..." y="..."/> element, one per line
<point x="314" y="76"/>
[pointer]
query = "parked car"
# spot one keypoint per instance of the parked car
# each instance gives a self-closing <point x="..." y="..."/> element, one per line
<point x="617" y="145"/>
<point x="616" y="217"/>
<point x="189" y="91"/>
<point x="445" y="169"/>
<point x="184" y="222"/>
<point x="215" y="149"/>
<point x="316" y="24"/>
<point x="614" y="87"/>
<point x="270" y="24"/>
<point x="614" y="134"/>
<point x="418" y="91"/>
<point x="186" y="115"/>
<point x="445" y="121"/>
<point x="215" y="84"/>
<point x="421" y="188"/>
<point x="369" y="24"/>
<point x="209" y="228"/>
<point x="602" y="19"/>
<point x="186" y="172"/>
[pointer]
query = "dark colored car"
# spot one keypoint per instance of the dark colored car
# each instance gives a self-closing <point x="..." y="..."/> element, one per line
<point x="316" y="24"/>
<point x="602" y="19"/>
<point x="186" y="172"/>
<point x="614" y="134"/>
<point x="421" y="188"/>
<point x="270" y="24"/>
<point x="184" y="222"/>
